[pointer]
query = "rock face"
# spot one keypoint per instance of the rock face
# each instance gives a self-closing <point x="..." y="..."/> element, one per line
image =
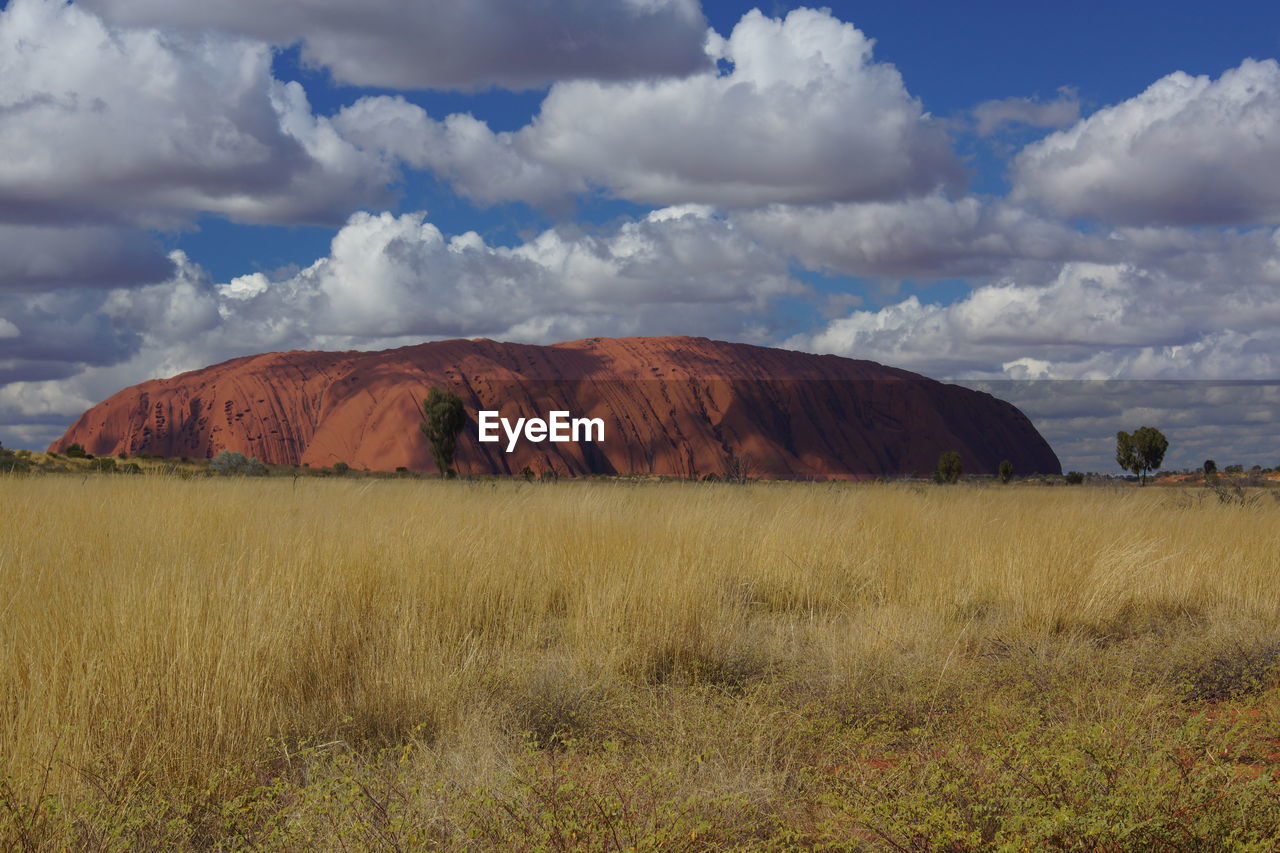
<point x="684" y="407"/>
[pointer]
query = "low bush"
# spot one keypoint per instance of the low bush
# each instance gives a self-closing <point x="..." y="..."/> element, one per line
<point x="12" y="463"/>
<point x="229" y="462"/>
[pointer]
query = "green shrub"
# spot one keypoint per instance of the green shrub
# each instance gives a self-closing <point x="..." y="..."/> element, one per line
<point x="75" y="451"/>
<point x="949" y="467"/>
<point x="105" y="465"/>
<point x="1006" y="471"/>
<point x="1074" y="478"/>
<point x="341" y="468"/>
<point x="230" y="462"/>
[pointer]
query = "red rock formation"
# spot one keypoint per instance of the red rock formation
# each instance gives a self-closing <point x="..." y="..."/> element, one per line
<point x="676" y="406"/>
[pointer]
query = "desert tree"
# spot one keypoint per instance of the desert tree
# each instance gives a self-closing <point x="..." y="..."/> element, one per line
<point x="443" y="417"/>
<point x="1141" y="451"/>
<point x="949" y="467"/>
<point x="738" y="467"/>
<point x="1210" y="468"/>
<point x="1006" y="471"/>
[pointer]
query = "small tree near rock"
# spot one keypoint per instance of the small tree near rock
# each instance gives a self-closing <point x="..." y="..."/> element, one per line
<point x="443" y="417"/>
<point x="1006" y="471"/>
<point x="949" y="467"/>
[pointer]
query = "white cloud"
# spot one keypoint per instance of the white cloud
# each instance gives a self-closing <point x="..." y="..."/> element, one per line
<point x="485" y="166"/>
<point x="135" y="125"/>
<point x="804" y="114"/>
<point x="1090" y="321"/>
<point x="1188" y="150"/>
<point x="449" y="44"/>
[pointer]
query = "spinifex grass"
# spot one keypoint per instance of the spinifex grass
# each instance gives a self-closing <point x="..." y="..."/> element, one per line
<point x="312" y="663"/>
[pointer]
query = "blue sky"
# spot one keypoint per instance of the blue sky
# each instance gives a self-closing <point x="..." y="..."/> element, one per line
<point x="982" y="192"/>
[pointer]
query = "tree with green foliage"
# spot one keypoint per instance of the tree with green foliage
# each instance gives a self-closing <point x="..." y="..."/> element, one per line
<point x="1142" y="451"/>
<point x="75" y="451"/>
<point x="1006" y="471"/>
<point x="443" y="417"/>
<point x="949" y="467"/>
<point x="1210" y="468"/>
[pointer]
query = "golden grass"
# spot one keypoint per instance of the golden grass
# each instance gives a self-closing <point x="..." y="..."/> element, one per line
<point x="183" y="640"/>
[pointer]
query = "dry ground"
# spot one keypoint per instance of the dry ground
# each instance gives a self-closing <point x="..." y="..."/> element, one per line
<point x="328" y="664"/>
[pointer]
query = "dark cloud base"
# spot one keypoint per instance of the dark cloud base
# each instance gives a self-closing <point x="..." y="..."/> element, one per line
<point x="1232" y="422"/>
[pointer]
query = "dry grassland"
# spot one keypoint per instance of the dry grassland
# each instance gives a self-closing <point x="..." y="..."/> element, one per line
<point x="328" y="664"/>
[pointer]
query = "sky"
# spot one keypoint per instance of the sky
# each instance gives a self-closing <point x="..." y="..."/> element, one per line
<point x="1075" y="207"/>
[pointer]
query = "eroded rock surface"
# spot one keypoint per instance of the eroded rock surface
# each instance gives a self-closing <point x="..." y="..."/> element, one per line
<point x="677" y="406"/>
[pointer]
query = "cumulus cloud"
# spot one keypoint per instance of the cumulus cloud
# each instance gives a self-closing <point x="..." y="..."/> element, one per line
<point x="444" y="44"/>
<point x="1187" y="151"/>
<point x="485" y="166"/>
<point x="990" y="117"/>
<point x="925" y="238"/>
<point x="1089" y="321"/>
<point x="801" y="113"/>
<point x="389" y="281"/>
<point x="102" y="123"/>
